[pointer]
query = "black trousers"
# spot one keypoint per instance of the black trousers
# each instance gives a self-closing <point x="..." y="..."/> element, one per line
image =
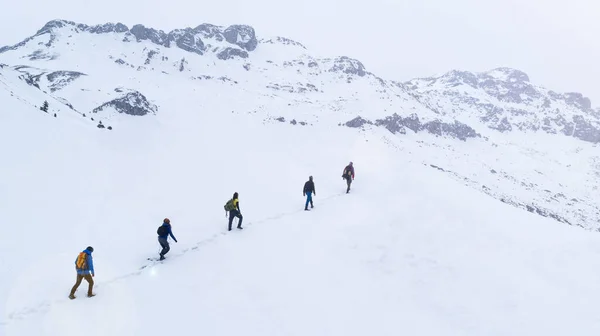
<point x="164" y="243"/>
<point x="232" y="215"/>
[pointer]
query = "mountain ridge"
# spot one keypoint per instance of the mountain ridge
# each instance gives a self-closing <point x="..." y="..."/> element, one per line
<point x="107" y="74"/>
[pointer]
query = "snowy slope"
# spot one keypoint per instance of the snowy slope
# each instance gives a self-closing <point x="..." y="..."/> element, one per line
<point x="454" y="227"/>
<point x="414" y="253"/>
<point x="110" y="73"/>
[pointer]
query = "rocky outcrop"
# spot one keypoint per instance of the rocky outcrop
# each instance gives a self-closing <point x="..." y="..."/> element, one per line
<point x="229" y="53"/>
<point x="585" y="130"/>
<point x="346" y="65"/>
<point x="357" y="122"/>
<point x="397" y="124"/>
<point x="187" y="40"/>
<point x="142" y="33"/>
<point x="60" y="79"/>
<point x="133" y="103"/>
<point x="242" y="36"/>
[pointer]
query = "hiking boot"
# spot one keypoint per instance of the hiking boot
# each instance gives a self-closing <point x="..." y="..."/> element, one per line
<point x="162" y="257"/>
<point x="71" y="296"/>
<point x="91" y="295"/>
<point x="240" y="228"/>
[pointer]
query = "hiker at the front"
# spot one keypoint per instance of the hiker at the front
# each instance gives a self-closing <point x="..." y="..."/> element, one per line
<point x="164" y="231"/>
<point x="233" y="207"/>
<point x="85" y="270"/>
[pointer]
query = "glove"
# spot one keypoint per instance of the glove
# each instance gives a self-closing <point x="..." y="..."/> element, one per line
<point x="303" y="194"/>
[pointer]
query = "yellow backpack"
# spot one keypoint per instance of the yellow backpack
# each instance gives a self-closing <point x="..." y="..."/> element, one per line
<point x="81" y="263"/>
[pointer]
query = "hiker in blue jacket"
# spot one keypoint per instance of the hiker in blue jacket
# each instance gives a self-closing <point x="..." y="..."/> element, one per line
<point x="164" y="231"/>
<point x="85" y="270"/>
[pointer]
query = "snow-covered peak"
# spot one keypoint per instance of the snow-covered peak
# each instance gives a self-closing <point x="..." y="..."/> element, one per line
<point x="506" y="75"/>
<point x="504" y="99"/>
<point x="283" y="41"/>
<point x="189" y="39"/>
<point x="55" y="25"/>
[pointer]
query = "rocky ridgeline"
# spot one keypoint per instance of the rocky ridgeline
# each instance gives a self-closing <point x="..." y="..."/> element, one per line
<point x="397" y="124"/>
<point x="505" y="100"/>
<point x="189" y="39"/>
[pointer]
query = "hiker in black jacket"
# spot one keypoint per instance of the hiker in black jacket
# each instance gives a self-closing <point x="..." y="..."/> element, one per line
<point x="348" y="175"/>
<point x="309" y="190"/>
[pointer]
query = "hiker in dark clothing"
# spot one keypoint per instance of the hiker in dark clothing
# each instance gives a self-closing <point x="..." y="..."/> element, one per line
<point x="85" y="270"/>
<point x="164" y="231"/>
<point x="309" y="190"/>
<point x="235" y="211"/>
<point x="348" y="175"/>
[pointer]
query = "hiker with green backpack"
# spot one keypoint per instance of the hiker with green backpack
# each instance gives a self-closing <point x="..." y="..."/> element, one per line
<point x="233" y="207"/>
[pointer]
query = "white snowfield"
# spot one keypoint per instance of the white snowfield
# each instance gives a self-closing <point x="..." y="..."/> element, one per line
<point x="422" y="245"/>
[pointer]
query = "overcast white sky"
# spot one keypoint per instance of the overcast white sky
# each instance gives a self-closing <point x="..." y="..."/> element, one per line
<point x="555" y="42"/>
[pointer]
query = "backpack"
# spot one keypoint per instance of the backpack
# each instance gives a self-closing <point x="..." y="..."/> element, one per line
<point x="162" y="230"/>
<point x="81" y="262"/>
<point x="229" y="205"/>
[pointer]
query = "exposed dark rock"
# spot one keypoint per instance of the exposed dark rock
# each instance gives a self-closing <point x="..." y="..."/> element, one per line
<point x="210" y="31"/>
<point x="106" y="28"/>
<point x="398" y="124"/>
<point x="155" y="36"/>
<point x="60" y="79"/>
<point x="151" y="55"/>
<point x="578" y="100"/>
<point x="40" y="55"/>
<point x="133" y="103"/>
<point x="182" y="64"/>
<point x="585" y="131"/>
<point x="348" y="66"/>
<point x="30" y="80"/>
<point x="242" y="36"/>
<point x="412" y="122"/>
<point x="187" y="40"/>
<point x="229" y="53"/>
<point x="358" y="122"/>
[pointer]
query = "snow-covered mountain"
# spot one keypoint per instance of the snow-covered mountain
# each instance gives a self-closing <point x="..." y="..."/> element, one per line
<point x="110" y="72"/>
<point x="504" y="99"/>
<point x="456" y="225"/>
